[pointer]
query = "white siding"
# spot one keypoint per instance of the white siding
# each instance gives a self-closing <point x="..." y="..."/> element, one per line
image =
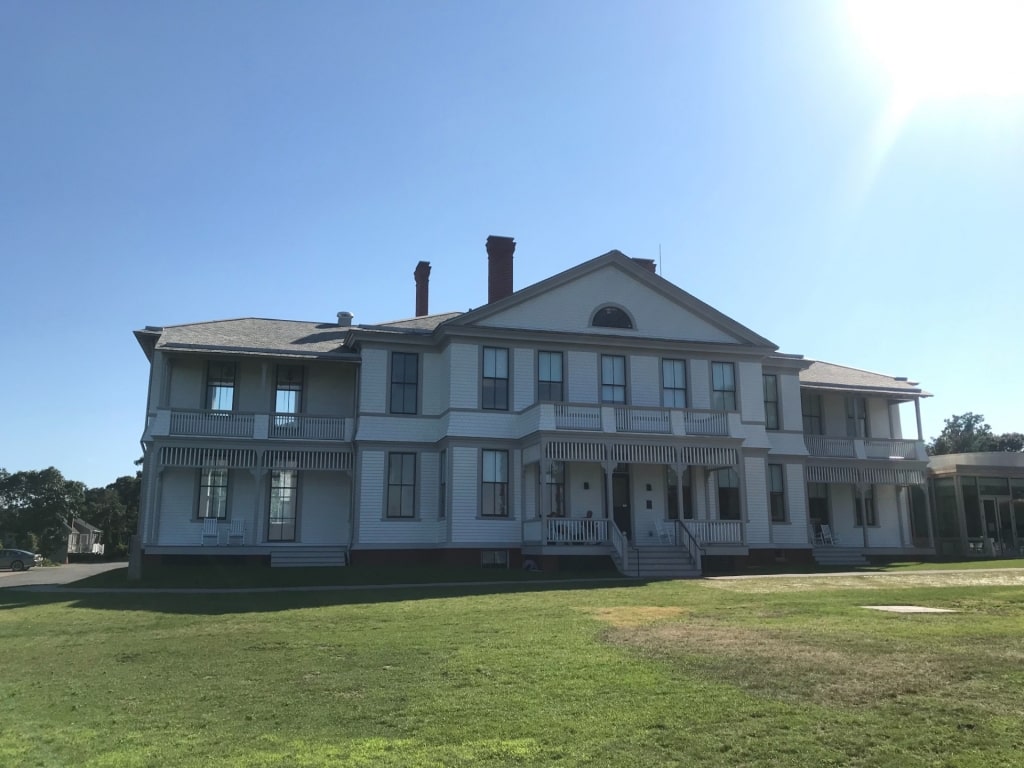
<point x="178" y="525"/>
<point x="751" y="391"/>
<point x="254" y="381"/>
<point x="330" y="390"/>
<point x="433" y="383"/>
<point x="373" y="381"/>
<point x="878" y="418"/>
<point x="699" y="384"/>
<point x="374" y="528"/>
<point x="645" y="520"/>
<point x="887" y="534"/>
<point x="569" y="308"/>
<point x="324" y="516"/>
<point x="794" y="531"/>
<point x="580" y="499"/>
<point x="757" y="500"/>
<point x="465" y="375"/>
<point x="187" y="380"/>
<point x="523" y="387"/>
<point x="644" y="380"/>
<point x="583" y="377"/>
<point x="789" y="402"/>
<point x="467" y="527"/>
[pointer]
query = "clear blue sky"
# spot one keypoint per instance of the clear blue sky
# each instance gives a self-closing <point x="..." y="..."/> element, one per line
<point x="171" y="162"/>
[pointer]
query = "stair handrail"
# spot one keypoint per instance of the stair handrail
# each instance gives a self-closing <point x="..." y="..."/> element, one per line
<point x="692" y="545"/>
<point x="621" y="545"/>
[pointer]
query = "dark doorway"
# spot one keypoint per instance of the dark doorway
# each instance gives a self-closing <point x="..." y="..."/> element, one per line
<point x="621" y="512"/>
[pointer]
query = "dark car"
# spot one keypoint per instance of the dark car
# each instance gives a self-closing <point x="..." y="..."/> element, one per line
<point x="19" y="559"/>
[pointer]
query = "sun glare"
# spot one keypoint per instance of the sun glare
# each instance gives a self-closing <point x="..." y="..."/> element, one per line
<point x="944" y="49"/>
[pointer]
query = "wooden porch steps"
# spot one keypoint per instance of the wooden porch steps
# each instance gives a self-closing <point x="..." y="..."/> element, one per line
<point x="658" y="562"/>
<point x="309" y="557"/>
<point x="831" y="557"/>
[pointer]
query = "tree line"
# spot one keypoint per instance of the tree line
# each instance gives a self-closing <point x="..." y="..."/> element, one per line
<point x="968" y="433"/>
<point x="37" y="508"/>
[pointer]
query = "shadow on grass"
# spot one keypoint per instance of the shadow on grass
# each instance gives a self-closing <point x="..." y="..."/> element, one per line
<point x="272" y="599"/>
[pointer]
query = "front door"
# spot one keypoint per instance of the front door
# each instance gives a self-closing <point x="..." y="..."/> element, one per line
<point x="999" y="526"/>
<point x="620" y="502"/>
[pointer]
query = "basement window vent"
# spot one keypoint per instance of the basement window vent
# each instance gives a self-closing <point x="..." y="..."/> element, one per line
<point x="494" y="558"/>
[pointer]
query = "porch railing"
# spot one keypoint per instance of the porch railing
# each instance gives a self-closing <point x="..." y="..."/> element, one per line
<point x="648" y="420"/>
<point x="576" y="530"/>
<point x="715" y="531"/>
<point x="890" y="449"/>
<point x="831" y="447"/>
<point x="714" y="423"/>
<point x="583" y="417"/>
<point x="302" y="427"/>
<point x="212" y="423"/>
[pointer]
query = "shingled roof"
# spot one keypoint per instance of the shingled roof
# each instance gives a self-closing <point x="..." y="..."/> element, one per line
<point x="820" y="375"/>
<point x="254" y="336"/>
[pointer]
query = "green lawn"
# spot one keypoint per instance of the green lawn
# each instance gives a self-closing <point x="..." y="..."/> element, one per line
<point x="757" y="672"/>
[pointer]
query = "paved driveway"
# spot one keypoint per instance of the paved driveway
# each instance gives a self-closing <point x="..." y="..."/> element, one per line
<point x="60" y="574"/>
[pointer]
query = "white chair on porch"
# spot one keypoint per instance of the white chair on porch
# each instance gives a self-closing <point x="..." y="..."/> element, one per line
<point x="211" y="535"/>
<point x="664" y="537"/>
<point x="236" y="533"/>
<point x="826" y="536"/>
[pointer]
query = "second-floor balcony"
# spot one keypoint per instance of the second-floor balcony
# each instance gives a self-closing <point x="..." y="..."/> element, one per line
<point x="634" y="419"/>
<point x="884" y="448"/>
<point x="256" y="426"/>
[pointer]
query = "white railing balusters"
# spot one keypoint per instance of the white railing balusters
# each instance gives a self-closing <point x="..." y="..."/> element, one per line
<point x="715" y="531"/>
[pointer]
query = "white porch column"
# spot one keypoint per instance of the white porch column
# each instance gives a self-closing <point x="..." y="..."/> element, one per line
<point x="917" y="412"/>
<point x="863" y="513"/>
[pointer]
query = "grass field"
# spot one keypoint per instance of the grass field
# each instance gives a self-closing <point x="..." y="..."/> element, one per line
<point x="786" y="671"/>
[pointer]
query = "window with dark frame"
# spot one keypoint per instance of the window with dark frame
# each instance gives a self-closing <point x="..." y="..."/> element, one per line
<point x="613" y="379"/>
<point x="867" y="502"/>
<point x="723" y="386"/>
<point x="284" y="507"/>
<point x="673" y="383"/>
<point x="611" y="317"/>
<point x="818" y="503"/>
<point x="288" y="395"/>
<point x="405" y="373"/>
<point x="771" y="401"/>
<point x="777" y="493"/>
<point x="494" y="484"/>
<point x="728" y="494"/>
<point x="556" y="489"/>
<point x="401" y="497"/>
<point x="213" y="493"/>
<point x="442" y="485"/>
<point x="810" y="405"/>
<point x="549" y="377"/>
<point x="494" y="395"/>
<point x="220" y="386"/>
<point x="672" y="500"/>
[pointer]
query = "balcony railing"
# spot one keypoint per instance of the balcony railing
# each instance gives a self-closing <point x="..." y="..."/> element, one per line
<point x="582" y="530"/>
<point x="258" y="426"/>
<point x="864" y="448"/>
<point x="633" y="419"/>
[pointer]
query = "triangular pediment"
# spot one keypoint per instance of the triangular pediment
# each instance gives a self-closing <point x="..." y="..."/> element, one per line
<point x="656" y="309"/>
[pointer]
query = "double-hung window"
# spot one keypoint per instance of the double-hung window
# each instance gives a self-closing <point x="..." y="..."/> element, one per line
<point x="404" y="382"/>
<point x="287" y="395"/>
<point x="728" y="494"/>
<point x="865" y="507"/>
<point x="284" y="504"/>
<point x="771" y="401"/>
<point x="856" y="417"/>
<point x="213" y="493"/>
<point x="723" y="386"/>
<point x="494" y="484"/>
<point x="556" y="488"/>
<point x="776" y="493"/>
<point x="673" y="383"/>
<point x="810" y="404"/>
<point x="613" y="379"/>
<point x="220" y="386"/>
<point x="549" y="377"/>
<point x="494" y="395"/>
<point x="401" y="485"/>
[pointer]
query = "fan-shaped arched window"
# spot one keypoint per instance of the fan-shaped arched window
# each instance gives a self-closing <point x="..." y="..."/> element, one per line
<point x="611" y="317"/>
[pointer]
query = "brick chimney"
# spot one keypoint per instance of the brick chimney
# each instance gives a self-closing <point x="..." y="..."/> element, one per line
<point x="499" y="267"/>
<point x="422" y="275"/>
<point x="649" y="264"/>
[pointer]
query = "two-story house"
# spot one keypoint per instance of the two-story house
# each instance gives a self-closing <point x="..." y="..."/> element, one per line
<point x="600" y="412"/>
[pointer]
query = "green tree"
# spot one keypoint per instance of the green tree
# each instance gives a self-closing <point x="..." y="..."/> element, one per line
<point x="115" y="510"/>
<point x="37" y="507"/>
<point x="968" y="433"/>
